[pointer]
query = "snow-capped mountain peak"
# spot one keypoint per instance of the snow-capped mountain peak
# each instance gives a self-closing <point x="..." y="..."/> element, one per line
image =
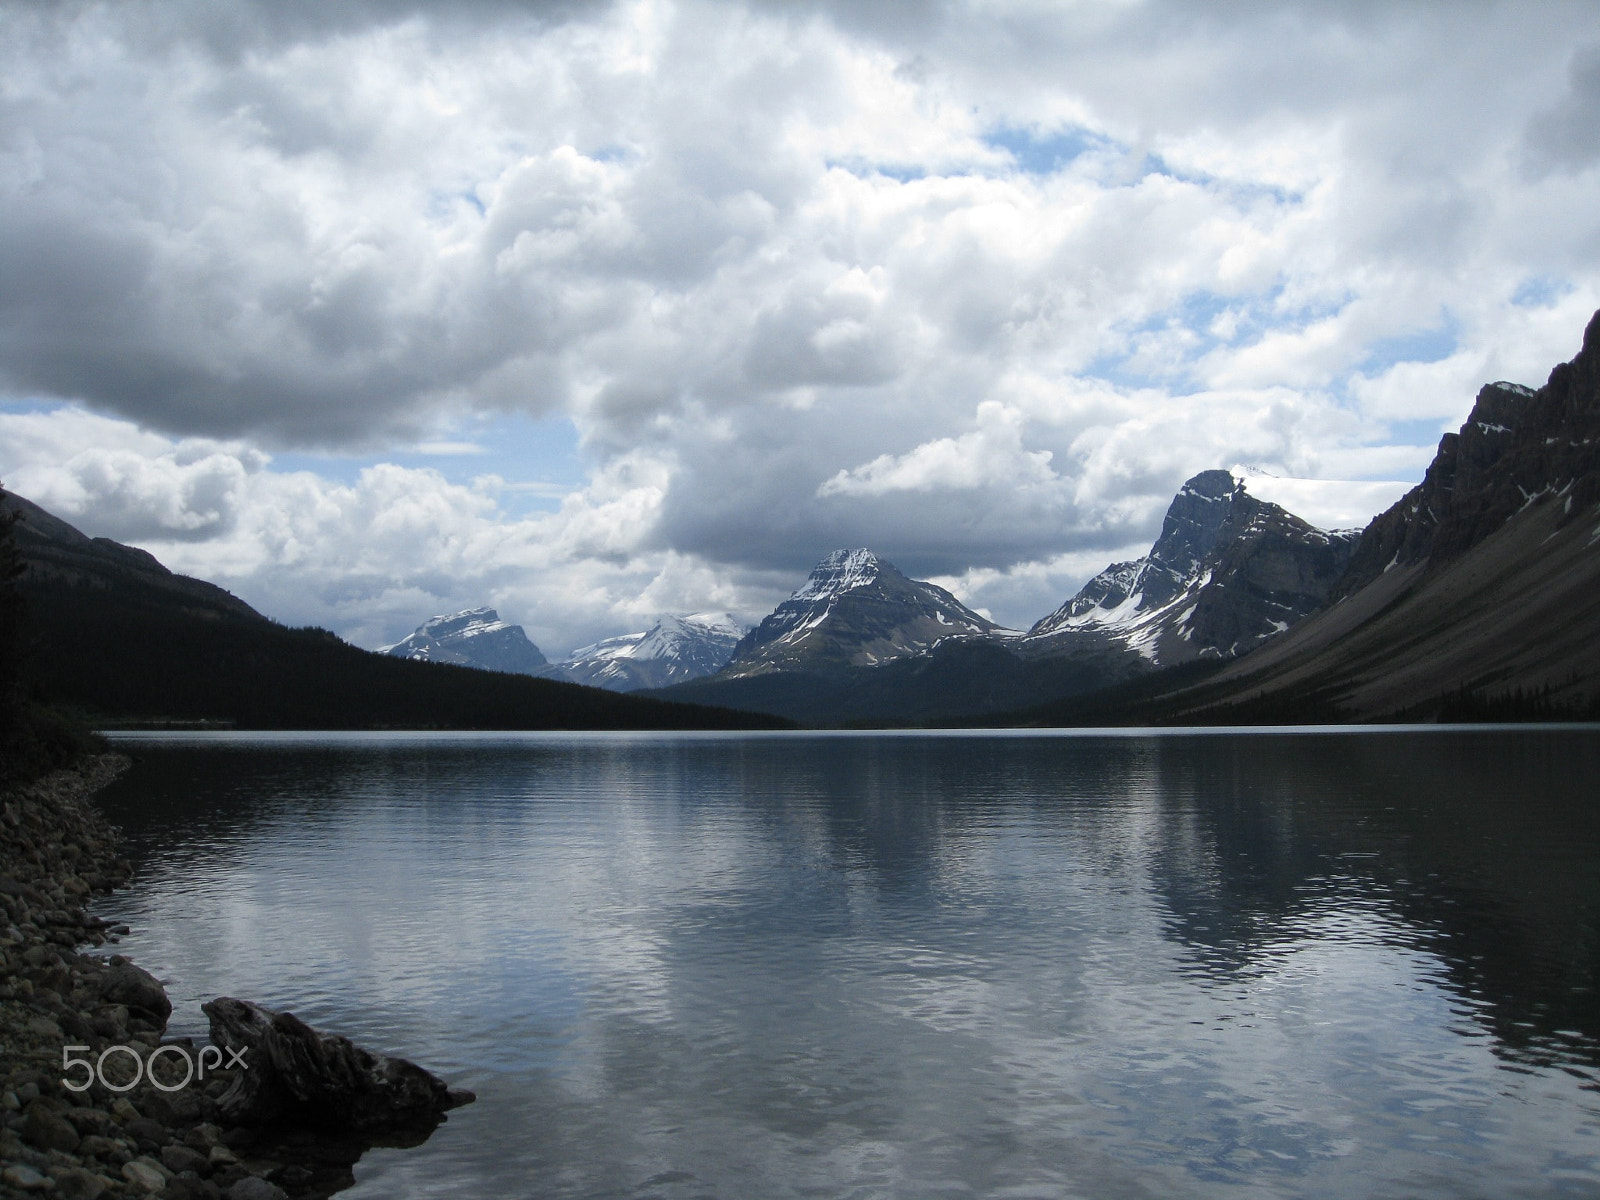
<point x="474" y="637"/>
<point x="470" y="622"/>
<point x="673" y="650"/>
<point x="841" y="571"/>
<point x="855" y="609"/>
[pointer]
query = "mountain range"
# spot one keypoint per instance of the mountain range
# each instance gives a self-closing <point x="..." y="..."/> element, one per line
<point x="860" y="642"/>
<point x="673" y="650"/>
<point x="1477" y="595"/>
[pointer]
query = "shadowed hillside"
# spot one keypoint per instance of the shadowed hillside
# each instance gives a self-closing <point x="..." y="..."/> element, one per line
<point x="111" y="632"/>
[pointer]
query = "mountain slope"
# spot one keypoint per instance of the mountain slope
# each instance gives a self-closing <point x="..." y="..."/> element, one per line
<point x="855" y="610"/>
<point x="1482" y="581"/>
<point x="478" y="638"/>
<point x="116" y="634"/>
<point x="673" y="650"/>
<point x="58" y="555"/>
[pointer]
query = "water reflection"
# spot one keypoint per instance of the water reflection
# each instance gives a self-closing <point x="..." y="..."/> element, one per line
<point x="1317" y="965"/>
<point x="1480" y="850"/>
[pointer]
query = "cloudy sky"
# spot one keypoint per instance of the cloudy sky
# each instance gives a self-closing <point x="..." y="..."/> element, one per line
<point x="593" y="311"/>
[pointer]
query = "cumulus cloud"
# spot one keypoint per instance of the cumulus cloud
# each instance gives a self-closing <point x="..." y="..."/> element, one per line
<point x="990" y="456"/>
<point x="976" y="286"/>
<point x="373" y="556"/>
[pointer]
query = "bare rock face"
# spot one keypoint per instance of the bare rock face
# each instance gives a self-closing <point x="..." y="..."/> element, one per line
<point x="299" y="1075"/>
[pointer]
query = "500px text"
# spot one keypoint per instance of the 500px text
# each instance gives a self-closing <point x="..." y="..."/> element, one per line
<point x="145" y="1066"/>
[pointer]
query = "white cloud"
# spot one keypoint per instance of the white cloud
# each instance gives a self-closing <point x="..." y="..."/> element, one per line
<point x="991" y="455"/>
<point x="1327" y="503"/>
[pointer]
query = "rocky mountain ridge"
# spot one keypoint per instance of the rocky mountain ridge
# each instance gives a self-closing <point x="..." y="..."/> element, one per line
<point x="859" y="642"/>
<point x="57" y="554"/>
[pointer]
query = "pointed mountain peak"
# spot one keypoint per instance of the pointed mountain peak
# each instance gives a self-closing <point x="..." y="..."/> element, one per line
<point x="1195" y="519"/>
<point x="843" y="571"/>
<point x="1215" y="484"/>
<point x="855" y="610"/>
<point x="1195" y="592"/>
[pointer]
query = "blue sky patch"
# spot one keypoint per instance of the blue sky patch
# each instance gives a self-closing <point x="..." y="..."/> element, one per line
<point x="1419" y="432"/>
<point x="900" y="172"/>
<point x="537" y="457"/>
<point x="1422" y="346"/>
<point x="1540" y="291"/>
<point x="1045" y="154"/>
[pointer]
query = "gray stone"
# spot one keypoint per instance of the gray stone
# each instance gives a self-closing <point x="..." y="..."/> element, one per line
<point x="144" y="1129"/>
<point x="144" y="1175"/>
<point x="181" y="1158"/>
<point x="253" y="1188"/>
<point x="25" y="1178"/>
<point x="133" y="986"/>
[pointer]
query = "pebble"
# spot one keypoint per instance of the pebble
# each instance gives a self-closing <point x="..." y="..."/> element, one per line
<point x="25" y="1178"/>
<point x="144" y="1176"/>
<point x="75" y="1183"/>
<point x="48" y="1131"/>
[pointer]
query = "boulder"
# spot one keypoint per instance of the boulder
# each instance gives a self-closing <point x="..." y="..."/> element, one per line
<point x="300" y="1075"/>
<point x="124" y="983"/>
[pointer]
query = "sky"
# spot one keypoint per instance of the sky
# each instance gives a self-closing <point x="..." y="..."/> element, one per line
<point x="595" y="311"/>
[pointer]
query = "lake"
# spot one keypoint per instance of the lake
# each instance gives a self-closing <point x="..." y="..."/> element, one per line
<point x="1315" y="963"/>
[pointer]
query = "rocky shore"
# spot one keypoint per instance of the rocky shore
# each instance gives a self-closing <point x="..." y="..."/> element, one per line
<point x="97" y="1102"/>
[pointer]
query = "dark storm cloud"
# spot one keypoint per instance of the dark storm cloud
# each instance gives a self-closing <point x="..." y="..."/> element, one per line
<point x="237" y="27"/>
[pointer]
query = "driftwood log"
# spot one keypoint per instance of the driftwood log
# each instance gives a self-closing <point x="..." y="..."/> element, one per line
<point x="295" y="1074"/>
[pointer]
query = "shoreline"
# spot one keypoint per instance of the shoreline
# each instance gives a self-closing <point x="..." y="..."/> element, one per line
<point x="78" y="1120"/>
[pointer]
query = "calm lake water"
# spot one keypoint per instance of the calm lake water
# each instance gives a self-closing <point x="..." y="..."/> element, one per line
<point x="1268" y="964"/>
